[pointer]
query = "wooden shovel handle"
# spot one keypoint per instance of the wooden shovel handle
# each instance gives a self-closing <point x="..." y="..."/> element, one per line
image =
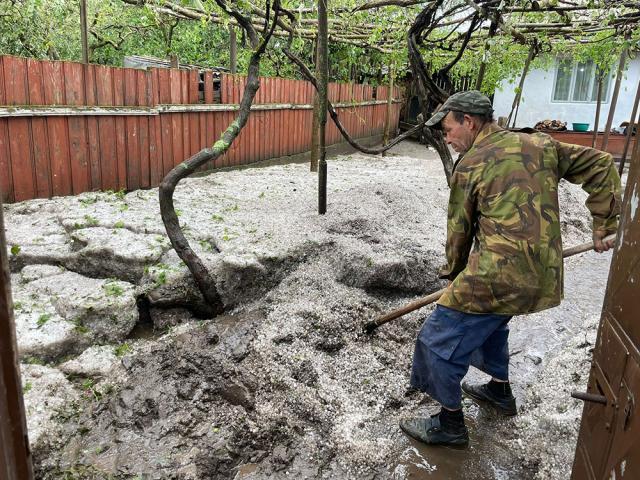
<point x="371" y="326"/>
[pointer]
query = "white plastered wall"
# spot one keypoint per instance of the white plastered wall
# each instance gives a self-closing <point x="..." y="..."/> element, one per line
<point x="537" y="104"/>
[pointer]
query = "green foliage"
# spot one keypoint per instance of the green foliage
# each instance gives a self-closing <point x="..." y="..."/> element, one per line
<point x="119" y="224"/>
<point x="79" y="327"/>
<point x="33" y="361"/>
<point x="15" y="249"/>
<point x="90" y="221"/>
<point x="49" y="29"/>
<point x="122" y="350"/>
<point x="27" y="387"/>
<point x="113" y="289"/>
<point x="88" y="200"/>
<point x="42" y="320"/>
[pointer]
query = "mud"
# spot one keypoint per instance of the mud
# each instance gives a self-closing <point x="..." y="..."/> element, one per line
<point x="285" y="384"/>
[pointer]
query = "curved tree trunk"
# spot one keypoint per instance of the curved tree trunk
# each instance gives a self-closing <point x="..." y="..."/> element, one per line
<point x="201" y="275"/>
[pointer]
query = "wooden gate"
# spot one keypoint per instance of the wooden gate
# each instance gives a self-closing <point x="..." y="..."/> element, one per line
<point x="609" y="440"/>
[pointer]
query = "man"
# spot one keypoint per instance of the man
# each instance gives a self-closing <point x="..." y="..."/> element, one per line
<point x="504" y="254"/>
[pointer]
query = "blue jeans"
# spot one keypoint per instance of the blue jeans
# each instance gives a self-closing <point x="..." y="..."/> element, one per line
<point x="449" y="342"/>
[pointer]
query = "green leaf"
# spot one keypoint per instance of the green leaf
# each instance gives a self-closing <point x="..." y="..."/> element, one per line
<point x="42" y="319"/>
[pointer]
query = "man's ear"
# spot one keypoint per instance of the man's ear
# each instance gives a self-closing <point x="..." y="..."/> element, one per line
<point x="468" y="121"/>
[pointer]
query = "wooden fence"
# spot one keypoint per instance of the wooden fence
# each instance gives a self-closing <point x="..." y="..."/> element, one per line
<point x="67" y="128"/>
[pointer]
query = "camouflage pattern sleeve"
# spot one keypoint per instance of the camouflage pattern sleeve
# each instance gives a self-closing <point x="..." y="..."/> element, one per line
<point x="460" y="221"/>
<point x="596" y="172"/>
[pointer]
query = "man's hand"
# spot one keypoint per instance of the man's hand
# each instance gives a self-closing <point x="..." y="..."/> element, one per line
<point x="600" y="244"/>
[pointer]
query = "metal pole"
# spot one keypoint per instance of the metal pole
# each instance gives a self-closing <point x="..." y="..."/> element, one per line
<point x="15" y="456"/>
<point x="630" y="128"/>
<point x="614" y="100"/>
<point x="83" y="31"/>
<point x="323" y="75"/>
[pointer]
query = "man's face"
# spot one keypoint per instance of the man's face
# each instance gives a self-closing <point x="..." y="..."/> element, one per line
<point x="459" y="135"/>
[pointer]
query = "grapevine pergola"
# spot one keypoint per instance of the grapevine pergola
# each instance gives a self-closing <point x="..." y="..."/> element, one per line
<point x="436" y="37"/>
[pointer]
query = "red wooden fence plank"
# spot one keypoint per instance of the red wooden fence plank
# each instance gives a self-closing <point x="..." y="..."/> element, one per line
<point x="39" y="130"/>
<point x="186" y="125"/>
<point x="57" y="129"/>
<point x="6" y="183"/>
<point x="296" y="115"/>
<point x="166" y="122"/>
<point x="260" y="125"/>
<point x="293" y="126"/>
<point x="131" y="132"/>
<point x="266" y="119"/>
<point x="78" y="147"/>
<point x="299" y="131"/>
<point x="155" y="128"/>
<point x="287" y="117"/>
<point x="194" y="118"/>
<point x="143" y="99"/>
<point x="276" y="119"/>
<point x="208" y="118"/>
<point x="177" y="155"/>
<point x="106" y="129"/>
<point x="194" y="84"/>
<point x="92" y="129"/>
<point x="223" y="86"/>
<point x="120" y="132"/>
<point x="19" y="129"/>
<point x="208" y="87"/>
<point x="312" y="93"/>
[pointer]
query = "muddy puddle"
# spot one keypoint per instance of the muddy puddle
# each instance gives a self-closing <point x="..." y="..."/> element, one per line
<point x="487" y="456"/>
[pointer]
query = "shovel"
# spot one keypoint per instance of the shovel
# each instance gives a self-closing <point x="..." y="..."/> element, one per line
<point x="371" y="326"/>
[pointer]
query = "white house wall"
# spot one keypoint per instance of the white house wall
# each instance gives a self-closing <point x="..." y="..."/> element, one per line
<point x="537" y="105"/>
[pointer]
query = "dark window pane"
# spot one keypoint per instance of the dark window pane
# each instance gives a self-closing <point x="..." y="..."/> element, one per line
<point x="563" y="81"/>
<point x="583" y="85"/>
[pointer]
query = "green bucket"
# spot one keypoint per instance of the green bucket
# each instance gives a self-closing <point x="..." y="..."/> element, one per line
<point x="580" y="127"/>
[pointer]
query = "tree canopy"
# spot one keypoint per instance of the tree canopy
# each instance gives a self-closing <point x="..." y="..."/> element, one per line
<point x="364" y="37"/>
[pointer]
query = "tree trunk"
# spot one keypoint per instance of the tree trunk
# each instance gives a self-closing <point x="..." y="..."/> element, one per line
<point x="204" y="281"/>
<point x="596" y="121"/>
<point x="516" y="101"/>
<point x="323" y="63"/>
<point x="614" y="100"/>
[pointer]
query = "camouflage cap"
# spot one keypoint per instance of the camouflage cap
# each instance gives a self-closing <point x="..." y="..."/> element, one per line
<point x="467" y="102"/>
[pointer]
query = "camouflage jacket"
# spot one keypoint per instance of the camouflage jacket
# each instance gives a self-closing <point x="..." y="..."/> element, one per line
<point x="504" y="249"/>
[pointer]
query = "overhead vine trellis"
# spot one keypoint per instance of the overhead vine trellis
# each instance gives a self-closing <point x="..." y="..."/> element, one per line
<point x="438" y="39"/>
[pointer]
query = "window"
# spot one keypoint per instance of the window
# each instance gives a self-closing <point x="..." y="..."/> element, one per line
<point x="577" y="82"/>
